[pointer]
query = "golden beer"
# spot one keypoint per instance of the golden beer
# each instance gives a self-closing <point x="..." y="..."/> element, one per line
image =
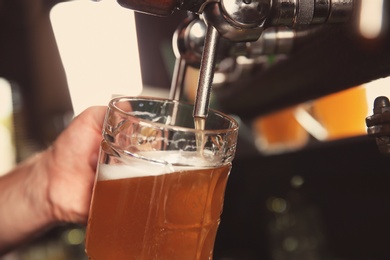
<point x="168" y="216"/>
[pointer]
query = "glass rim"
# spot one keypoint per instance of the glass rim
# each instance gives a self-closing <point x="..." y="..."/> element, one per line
<point x="112" y="104"/>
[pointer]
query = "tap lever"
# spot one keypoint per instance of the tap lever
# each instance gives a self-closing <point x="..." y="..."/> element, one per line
<point x="179" y="73"/>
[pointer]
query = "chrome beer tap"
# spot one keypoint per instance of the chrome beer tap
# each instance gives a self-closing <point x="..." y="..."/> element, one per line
<point x="237" y="21"/>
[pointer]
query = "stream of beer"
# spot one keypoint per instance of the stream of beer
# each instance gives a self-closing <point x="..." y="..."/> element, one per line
<point x="200" y="123"/>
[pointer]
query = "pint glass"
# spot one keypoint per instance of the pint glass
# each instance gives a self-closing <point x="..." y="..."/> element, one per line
<point x="160" y="182"/>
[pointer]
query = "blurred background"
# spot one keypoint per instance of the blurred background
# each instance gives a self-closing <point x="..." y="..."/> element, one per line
<point x="307" y="181"/>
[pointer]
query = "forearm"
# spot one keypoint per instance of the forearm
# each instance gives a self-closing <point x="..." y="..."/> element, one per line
<point x="24" y="208"/>
<point x="52" y="186"/>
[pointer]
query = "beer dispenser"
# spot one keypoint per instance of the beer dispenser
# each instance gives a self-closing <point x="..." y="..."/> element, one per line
<point x="217" y="29"/>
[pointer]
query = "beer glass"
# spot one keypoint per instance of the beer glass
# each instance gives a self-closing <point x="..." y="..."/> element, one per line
<point x="160" y="182"/>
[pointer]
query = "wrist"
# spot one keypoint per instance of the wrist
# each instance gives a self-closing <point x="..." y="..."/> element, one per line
<point x="69" y="186"/>
<point x="54" y="194"/>
<point x="26" y="211"/>
<point x="35" y="187"/>
<point x="38" y="187"/>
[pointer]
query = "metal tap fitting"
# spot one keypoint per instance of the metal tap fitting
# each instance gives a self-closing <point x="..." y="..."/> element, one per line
<point x="378" y="124"/>
<point x="306" y="12"/>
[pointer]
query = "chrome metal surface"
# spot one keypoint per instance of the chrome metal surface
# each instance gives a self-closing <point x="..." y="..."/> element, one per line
<point x="246" y="13"/>
<point x="283" y="12"/>
<point x="215" y="16"/>
<point x="206" y="74"/>
<point x="177" y="85"/>
<point x="321" y="10"/>
<point x="188" y="40"/>
<point x="306" y="12"/>
<point x="187" y="44"/>
<point x="340" y="10"/>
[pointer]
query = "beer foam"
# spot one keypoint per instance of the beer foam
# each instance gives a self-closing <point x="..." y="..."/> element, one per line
<point x="174" y="161"/>
<point x="113" y="172"/>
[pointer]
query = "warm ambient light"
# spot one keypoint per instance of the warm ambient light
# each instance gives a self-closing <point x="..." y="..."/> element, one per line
<point x="371" y="18"/>
<point x="7" y="149"/>
<point x="99" y="50"/>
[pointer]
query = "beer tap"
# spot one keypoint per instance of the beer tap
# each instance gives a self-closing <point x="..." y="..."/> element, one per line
<point x="234" y="20"/>
<point x="238" y="21"/>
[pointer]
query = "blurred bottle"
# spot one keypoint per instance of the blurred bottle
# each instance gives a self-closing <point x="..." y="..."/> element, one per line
<point x="342" y="114"/>
<point x="279" y="132"/>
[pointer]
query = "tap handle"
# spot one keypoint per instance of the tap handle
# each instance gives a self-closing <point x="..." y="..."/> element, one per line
<point x="164" y="7"/>
<point x="177" y="85"/>
<point x="155" y="7"/>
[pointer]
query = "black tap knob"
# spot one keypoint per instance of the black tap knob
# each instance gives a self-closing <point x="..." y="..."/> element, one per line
<point x="378" y="124"/>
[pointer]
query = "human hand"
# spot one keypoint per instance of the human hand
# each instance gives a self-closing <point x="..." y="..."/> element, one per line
<point x="71" y="165"/>
<point x="54" y="185"/>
